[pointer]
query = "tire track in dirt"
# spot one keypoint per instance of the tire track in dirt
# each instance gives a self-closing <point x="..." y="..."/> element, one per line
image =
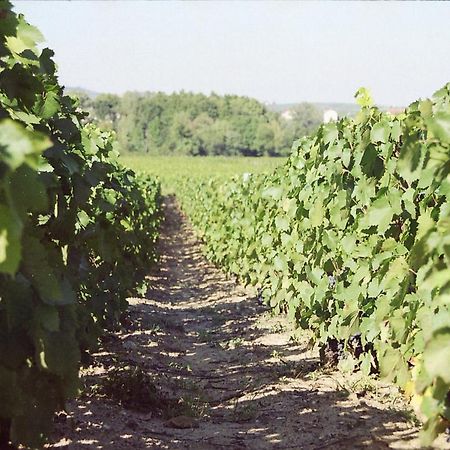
<point x="200" y="364"/>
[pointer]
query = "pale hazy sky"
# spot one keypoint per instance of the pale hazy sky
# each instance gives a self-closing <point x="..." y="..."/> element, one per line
<point x="274" y="51"/>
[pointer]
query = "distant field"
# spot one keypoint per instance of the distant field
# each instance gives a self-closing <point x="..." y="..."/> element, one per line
<point x="169" y="168"/>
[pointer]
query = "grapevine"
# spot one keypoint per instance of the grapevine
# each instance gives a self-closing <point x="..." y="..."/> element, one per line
<point x="74" y="225"/>
<point x="351" y="238"/>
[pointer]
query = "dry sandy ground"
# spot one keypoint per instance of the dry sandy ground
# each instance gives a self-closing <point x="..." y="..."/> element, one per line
<point x="200" y="364"/>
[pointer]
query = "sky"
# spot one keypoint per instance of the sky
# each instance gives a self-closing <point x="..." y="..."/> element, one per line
<point x="279" y="52"/>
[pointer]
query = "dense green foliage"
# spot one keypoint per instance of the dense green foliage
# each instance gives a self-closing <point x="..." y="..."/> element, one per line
<point x="169" y="169"/>
<point x="352" y="238"/>
<point x="74" y="226"/>
<point x="196" y="124"/>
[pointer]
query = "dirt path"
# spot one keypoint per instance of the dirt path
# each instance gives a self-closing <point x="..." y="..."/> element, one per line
<point x="202" y="365"/>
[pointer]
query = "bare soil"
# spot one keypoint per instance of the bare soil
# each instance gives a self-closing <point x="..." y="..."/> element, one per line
<point x="201" y="364"/>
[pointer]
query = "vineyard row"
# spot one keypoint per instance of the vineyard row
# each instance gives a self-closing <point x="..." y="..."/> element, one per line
<point x="77" y="235"/>
<point x="351" y="238"/>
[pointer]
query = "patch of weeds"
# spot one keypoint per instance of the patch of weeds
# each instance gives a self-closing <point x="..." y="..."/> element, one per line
<point x="143" y="323"/>
<point x="186" y="384"/>
<point x="217" y="320"/>
<point x="410" y="417"/>
<point x="295" y="339"/>
<point x="287" y="371"/>
<point x="342" y="393"/>
<point x="189" y="405"/>
<point x="170" y="324"/>
<point x="161" y="324"/>
<point x="232" y="344"/>
<point x="301" y="337"/>
<point x="205" y="335"/>
<point x="315" y="374"/>
<point x="180" y="366"/>
<point x="92" y="390"/>
<point x="131" y="387"/>
<point x="363" y="386"/>
<point x="267" y="315"/>
<point x="154" y="329"/>
<point x="360" y="385"/>
<point x="293" y="369"/>
<point x="134" y="389"/>
<point x="245" y="411"/>
<point x="278" y="328"/>
<point x="277" y="355"/>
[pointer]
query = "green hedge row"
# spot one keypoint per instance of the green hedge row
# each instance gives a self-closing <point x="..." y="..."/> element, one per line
<point x="74" y="227"/>
<point x="352" y="238"/>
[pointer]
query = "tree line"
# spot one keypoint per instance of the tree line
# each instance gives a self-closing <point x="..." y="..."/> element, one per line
<point x="185" y="123"/>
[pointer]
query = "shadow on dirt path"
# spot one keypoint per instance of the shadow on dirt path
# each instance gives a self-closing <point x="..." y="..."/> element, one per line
<point x="200" y="364"/>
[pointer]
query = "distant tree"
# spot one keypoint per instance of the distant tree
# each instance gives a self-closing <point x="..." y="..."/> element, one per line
<point x="130" y="130"/>
<point x="106" y="109"/>
<point x="180" y="134"/>
<point x="269" y="138"/>
<point x="306" y="118"/>
<point x="197" y="124"/>
<point x="265" y="139"/>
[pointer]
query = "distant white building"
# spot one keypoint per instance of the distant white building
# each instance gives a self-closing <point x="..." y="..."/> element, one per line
<point x="330" y="115"/>
<point x="287" y="115"/>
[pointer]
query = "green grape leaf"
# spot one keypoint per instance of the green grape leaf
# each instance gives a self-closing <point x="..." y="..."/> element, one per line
<point x="27" y="191"/>
<point x="10" y="240"/>
<point x="379" y="214"/>
<point x="380" y="132"/>
<point x="316" y="214"/>
<point x="61" y="353"/>
<point x="49" y="105"/>
<point x="282" y="223"/>
<point x="436" y="356"/>
<point x="364" y="97"/>
<point x="439" y="126"/>
<point x="18" y="145"/>
<point x="39" y="263"/>
<point x="48" y="317"/>
<point x="330" y="133"/>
